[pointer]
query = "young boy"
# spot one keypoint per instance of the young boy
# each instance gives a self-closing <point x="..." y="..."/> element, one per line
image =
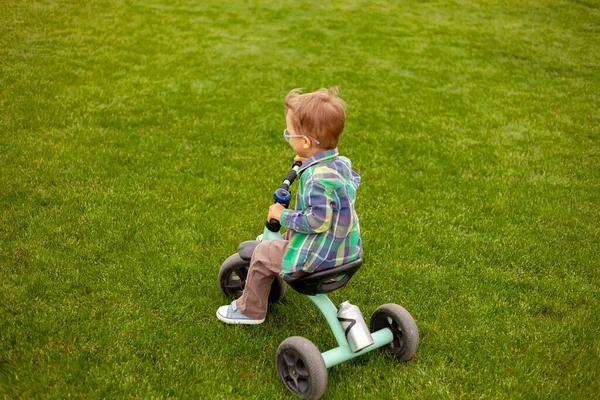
<point x="323" y="232"/>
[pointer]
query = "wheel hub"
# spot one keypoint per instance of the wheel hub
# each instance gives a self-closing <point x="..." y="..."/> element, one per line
<point x="293" y="377"/>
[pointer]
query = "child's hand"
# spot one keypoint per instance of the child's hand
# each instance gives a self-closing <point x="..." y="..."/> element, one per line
<point x="275" y="212"/>
<point x="301" y="159"/>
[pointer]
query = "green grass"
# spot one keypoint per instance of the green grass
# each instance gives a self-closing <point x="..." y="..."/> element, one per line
<point x="140" y="142"/>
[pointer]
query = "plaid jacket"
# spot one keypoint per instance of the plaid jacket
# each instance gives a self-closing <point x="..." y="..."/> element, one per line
<point x="324" y="228"/>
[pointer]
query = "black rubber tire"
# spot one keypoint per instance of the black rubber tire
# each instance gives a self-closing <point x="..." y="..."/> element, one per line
<point x="301" y="368"/>
<point x="403" y="327"/>
<point x="232" y="279"/>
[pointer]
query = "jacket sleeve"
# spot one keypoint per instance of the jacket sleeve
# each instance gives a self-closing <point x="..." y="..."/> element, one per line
<point x="316" y="215"/>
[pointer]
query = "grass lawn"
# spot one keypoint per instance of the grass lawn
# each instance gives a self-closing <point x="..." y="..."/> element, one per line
<point x="140" y="142"/>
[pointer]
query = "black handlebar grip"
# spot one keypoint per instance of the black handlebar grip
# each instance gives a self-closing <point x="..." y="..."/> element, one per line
<point x="291" y="176"/>
<point x="273" y="225"/>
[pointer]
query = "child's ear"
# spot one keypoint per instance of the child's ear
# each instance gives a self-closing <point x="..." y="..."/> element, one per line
<point x="307" y="143"/>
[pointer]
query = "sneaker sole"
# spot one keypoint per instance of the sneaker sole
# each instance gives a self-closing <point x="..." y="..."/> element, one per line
<point x="240" y="321"/>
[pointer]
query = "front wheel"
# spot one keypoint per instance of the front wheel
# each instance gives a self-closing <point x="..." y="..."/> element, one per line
<point x="232" y="279"/>
<point x="301" y="368"/>
<point x="403" y="327"/>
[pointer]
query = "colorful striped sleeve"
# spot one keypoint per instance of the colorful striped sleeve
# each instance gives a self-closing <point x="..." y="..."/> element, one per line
<point x="316" y="214"/>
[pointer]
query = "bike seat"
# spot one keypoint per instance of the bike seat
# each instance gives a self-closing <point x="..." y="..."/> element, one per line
<point x="325" y="281"/>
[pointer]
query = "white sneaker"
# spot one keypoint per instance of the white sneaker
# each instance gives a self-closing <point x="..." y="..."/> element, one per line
<point x="232" y="315"/>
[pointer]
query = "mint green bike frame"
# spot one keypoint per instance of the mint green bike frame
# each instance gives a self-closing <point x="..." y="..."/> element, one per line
<point x="343" y="352"/>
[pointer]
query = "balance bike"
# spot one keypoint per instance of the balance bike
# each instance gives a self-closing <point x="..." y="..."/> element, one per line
<point x="301" y="367"/>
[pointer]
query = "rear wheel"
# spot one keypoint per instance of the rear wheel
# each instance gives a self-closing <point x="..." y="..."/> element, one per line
<point x="232" y="279"/>
<point x="301" y="368"/>
<point x="403" y="327"/>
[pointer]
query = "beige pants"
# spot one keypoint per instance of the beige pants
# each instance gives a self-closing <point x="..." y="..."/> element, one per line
<point x="264" y="267"/>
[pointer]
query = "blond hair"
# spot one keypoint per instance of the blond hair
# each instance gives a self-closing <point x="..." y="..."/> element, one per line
<point x="319" y="114"/>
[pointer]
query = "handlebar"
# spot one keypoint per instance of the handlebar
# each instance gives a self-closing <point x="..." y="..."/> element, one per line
<point x="283" y="196"/>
